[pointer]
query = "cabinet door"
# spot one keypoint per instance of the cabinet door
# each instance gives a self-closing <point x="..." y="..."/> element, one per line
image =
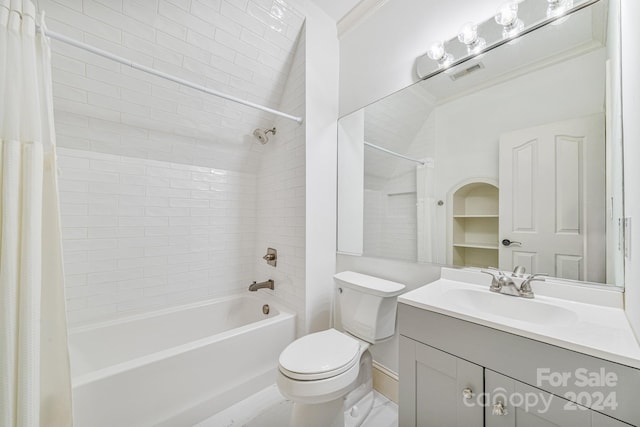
<point x="511" y="403"/>
<point x="600" y="420"/>
<point x="438" y="389"/>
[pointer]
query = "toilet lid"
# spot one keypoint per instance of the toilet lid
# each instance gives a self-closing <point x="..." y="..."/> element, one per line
<point x="319" y="355"/>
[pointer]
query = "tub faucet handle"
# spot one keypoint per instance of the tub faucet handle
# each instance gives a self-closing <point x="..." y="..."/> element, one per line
<point x="271" y="257"/>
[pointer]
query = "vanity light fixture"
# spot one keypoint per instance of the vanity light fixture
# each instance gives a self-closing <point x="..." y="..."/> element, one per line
<point x="439" y="54"/>
<point x="448" y="53"/>
<point x="507" y="16"/>
<point x="468" y="35"/>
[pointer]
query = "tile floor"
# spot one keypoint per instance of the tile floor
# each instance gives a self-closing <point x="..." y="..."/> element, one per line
<point x="268" y="408"/>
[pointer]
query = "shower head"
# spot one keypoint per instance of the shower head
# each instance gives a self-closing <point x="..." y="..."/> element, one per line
<point x="263" y="135"/>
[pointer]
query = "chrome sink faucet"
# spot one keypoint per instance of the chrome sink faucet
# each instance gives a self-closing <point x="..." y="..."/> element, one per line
<point x="504" y="284"/>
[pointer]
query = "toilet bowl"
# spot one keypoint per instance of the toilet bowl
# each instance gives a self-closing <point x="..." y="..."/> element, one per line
<point x="328" y="374"/>
<point x="320" y="367"/>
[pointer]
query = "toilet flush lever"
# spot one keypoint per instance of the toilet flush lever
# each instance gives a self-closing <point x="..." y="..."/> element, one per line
<point x="271" y="257"/>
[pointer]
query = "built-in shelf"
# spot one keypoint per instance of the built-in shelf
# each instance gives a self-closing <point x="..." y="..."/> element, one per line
<point x="477" y="245"/>
<point x="475" y="225"/>
<point x="477" y="216"/>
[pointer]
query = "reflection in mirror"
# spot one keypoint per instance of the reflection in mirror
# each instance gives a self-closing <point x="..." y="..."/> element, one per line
<point x="511" y="158"/>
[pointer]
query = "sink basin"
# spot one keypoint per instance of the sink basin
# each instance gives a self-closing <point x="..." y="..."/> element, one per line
<point x="585" y="320"/>
<point x="513" y="308"/>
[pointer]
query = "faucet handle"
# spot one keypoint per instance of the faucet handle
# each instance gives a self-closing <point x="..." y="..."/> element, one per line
<point x="495" y="282"/>
<point x="525" y="286"/>
<point x="532" y="277"/>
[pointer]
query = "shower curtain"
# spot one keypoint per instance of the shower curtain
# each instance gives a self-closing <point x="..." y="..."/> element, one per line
<point x="35" y="385"/>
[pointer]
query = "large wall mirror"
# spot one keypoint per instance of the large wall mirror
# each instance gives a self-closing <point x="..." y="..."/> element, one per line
<point x="512" y="157"/>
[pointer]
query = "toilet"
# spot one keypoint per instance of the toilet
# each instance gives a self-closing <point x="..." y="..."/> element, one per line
<point x="327" y="375"/>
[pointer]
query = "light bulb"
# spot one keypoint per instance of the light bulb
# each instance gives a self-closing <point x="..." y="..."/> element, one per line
<point x="507" y="16"/>
<point x="558" y="8"/>
<point x="438" y="53"/>
<point x="468" y="35"/>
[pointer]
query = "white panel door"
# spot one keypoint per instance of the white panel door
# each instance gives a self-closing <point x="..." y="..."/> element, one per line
<point x="552" y="199"/>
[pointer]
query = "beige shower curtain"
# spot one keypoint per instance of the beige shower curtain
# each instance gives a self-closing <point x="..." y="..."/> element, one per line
<point x="35" y="385"/>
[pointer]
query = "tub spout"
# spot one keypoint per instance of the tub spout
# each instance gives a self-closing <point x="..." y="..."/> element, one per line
<point x="262" y="285"/>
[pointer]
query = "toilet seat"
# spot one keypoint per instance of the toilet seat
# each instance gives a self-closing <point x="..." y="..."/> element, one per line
<point x="319" y="356"/>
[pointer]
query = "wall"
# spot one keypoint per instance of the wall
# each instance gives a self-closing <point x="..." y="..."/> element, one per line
<point x="390" y="219"/>
<point x="160" y="187"/>
<point x="141" y="233"/>
<point x="281" y="198"/>
<point x="631" y="134"/>
<point x="350" y="197"/>
<point x="241" y="48"/>
<point x="321" y="90"/>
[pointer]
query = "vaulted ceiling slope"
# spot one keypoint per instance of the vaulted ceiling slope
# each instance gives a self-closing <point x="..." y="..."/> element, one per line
<point x="240" y="47"/>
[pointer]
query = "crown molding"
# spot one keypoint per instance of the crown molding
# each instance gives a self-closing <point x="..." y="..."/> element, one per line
<point x="358" y="14"/>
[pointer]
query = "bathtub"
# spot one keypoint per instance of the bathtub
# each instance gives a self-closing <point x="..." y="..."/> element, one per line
<point x="177" y="366"/>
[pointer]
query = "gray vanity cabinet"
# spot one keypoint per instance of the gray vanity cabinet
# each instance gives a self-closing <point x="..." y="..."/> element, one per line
<point x="542" y="409"/>
<point x="455" y="373"/>
<point x="442" y="384"/>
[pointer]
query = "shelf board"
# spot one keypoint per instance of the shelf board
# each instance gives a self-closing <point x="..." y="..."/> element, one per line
<point x="477" y="245"/>
<point x="476" y="216"/>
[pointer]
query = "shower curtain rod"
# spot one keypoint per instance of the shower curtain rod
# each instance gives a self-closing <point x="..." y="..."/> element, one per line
<point x="393" y="153"/>
<point x="149" y="70"/>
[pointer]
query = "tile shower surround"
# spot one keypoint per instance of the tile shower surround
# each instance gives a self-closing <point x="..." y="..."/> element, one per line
<point x="139" y="233"/>
<point x="242" y="48"/>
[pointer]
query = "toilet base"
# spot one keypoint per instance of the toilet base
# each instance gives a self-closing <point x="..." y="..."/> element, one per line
<point x="348" y="411"/>
<point x="328" y="414"/>
<point x="355" y="415"/>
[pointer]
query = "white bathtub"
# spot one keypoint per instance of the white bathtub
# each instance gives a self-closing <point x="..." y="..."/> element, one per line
<point x="177" y="366"/>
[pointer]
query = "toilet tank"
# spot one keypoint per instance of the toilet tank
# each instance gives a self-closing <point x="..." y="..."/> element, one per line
<point x="367" y="305"/>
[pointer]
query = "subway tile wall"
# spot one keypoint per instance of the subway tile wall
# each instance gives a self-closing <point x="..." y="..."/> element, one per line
<point x="281" y="197"/>
<point x="390" y="218"/>
<point x="242" y="48"/>
<point x="140" y="233"/>
<point x="166" y="196"/>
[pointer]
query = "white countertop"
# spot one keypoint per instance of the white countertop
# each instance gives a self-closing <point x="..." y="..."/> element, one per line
<point x="599" y="329"/>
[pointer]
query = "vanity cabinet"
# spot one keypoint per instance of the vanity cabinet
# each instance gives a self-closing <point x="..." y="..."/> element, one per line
<point x="456" y="373"/>
<point x="443" y="384"/>
<point x="537" y="408"/>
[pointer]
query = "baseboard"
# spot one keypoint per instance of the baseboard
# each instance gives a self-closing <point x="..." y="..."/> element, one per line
<point x="385" y="382"/>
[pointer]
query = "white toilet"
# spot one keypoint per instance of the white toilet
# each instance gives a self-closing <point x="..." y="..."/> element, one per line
<point x="328" y="374"/>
